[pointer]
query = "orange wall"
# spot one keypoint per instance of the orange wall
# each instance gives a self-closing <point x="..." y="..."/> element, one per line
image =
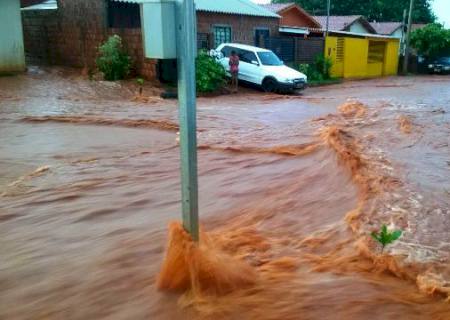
<point x="295" y="18"/>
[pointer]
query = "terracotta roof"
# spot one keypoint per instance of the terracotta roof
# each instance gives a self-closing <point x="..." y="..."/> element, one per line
<point x="280" y="7"/>
<point x="277" y="7"/>
<point x="386" y="28"/>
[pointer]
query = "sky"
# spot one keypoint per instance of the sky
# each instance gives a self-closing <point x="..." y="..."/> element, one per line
<point x="440" y="7"/>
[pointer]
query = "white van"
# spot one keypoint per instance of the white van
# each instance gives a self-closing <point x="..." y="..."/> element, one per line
<point x="261" y="67"/>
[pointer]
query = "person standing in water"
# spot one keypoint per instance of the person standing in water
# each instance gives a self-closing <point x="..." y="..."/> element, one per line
<point x="234" y="70"/>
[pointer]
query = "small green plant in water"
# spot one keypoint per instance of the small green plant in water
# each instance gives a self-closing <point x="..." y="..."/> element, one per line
<point x="140" y="83"/>
<point x="385" y="237"/>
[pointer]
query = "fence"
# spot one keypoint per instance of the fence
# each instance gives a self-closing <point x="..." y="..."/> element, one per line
<point x="294" y="49"/>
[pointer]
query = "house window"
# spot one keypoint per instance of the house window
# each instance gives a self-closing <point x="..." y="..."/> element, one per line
<point x="222" y="34"/>
<point x="123" y="15"/>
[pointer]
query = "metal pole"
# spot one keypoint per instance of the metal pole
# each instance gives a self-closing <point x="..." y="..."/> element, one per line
<point x="402" y="43"/>
<point x="326" y="33"/>
<point x="186" y="52"/>
<point x="328" y="17"/>
<point x="408" y="32"/>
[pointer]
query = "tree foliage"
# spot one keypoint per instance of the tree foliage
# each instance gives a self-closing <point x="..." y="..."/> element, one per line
<point x="432" y="40"/>
<point x="378" y="10"/>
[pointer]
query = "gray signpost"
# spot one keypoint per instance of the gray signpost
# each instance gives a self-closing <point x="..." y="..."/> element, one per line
<point x="186" y="51"/>
<point x="169" y="32"/>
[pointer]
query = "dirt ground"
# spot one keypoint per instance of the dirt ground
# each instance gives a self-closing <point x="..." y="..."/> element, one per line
<point x="292" y="186"/>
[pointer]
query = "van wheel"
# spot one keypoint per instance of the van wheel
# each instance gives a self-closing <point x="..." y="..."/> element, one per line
<point x="269" y="85"/>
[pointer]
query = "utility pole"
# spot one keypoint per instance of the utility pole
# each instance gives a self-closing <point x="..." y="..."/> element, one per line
<point x="326" y="33"/>
<point x="328" y="17"/>
<point x="186" y="52"/>
<point x="403" y="41"/>
<point x="408" y="33"/>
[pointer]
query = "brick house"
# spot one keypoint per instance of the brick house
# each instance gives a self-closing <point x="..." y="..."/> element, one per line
<point x="71" y="33"/>
<point x="295" y="20"/>
<point x="301" y="36"/>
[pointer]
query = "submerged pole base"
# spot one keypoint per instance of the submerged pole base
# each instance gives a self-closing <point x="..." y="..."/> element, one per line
<point x="200" y="267"/>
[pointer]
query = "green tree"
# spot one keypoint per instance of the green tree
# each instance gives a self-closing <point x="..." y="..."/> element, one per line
<point x="379" y="10"/>
<point x="432" y="40"/>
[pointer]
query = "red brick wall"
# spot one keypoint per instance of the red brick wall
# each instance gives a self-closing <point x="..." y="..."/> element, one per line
<point x="242" y="27"/>
<point x="72" y="34"/>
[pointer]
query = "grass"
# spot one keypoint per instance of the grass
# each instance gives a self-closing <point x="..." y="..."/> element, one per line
<point x="324" y="82"/>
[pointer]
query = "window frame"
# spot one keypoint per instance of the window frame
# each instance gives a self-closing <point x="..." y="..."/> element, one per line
<point x="213" y="28"/>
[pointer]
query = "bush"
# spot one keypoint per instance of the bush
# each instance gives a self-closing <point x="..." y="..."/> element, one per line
<point x="323" y="65"/>
<point x="209" y="73"/>
<point x="113" y="61"/>
<point x="317" y="71"/>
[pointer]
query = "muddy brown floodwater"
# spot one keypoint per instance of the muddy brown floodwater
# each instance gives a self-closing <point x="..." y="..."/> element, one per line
<point x="290" y="187"/>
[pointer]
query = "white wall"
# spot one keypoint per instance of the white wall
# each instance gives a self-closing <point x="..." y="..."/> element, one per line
<point x="357" y="27"/>
<point x="12" y="56"/>
<point x="397" y="33"/>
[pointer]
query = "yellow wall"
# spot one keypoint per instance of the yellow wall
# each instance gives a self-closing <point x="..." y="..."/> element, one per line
<point x="355" y="62"/>
<point x="375" y="69"/>
<point x="355" y="58"/>
<point x="337" y="68"/>
<point x="391" y="58"/>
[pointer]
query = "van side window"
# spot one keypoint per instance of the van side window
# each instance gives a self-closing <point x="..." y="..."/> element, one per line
<point x="247" y="56"/>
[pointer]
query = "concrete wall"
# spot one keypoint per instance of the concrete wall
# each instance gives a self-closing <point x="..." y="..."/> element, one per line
<point x="353" y="62"/>
<point x="12" y="58"/>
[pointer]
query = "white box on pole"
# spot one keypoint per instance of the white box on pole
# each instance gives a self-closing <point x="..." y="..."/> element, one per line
<point x="158" y="20"/>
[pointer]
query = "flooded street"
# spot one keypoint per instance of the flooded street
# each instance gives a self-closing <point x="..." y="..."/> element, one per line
<point x="290" y="186"/>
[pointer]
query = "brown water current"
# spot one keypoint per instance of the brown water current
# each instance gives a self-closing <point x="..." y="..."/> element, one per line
<point x="290" y="189"/>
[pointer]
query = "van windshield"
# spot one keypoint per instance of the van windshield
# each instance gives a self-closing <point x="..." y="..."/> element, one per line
<point x="269" y="59"/>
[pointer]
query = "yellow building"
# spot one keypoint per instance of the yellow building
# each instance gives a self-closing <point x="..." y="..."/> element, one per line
<point x="362" y="55"/>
